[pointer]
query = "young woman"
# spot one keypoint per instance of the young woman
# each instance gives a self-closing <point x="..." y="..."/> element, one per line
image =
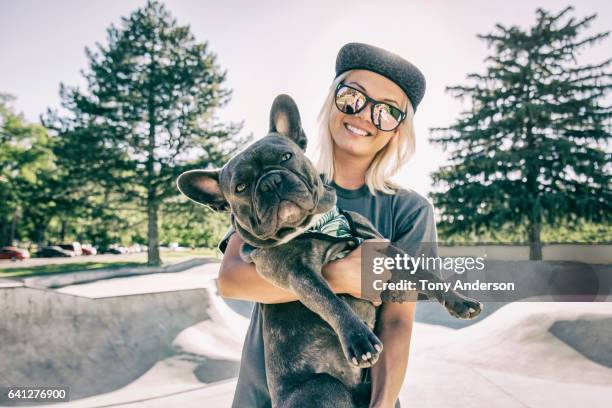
<point x="366" y="135"/>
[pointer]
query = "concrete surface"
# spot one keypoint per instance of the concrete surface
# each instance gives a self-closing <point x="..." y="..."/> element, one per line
<point x="168" y="340"/>
<point x="588" y="253"/>
<point x="94" y="345"/>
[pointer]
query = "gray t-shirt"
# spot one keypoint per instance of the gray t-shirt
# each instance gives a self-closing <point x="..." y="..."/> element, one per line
<point x="405" y="218"/>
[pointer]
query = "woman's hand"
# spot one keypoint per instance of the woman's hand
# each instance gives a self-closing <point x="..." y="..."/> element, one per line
<point x="344" y="275"/>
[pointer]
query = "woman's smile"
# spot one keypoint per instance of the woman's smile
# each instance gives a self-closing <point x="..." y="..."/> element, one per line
<point x="356" y="130"/>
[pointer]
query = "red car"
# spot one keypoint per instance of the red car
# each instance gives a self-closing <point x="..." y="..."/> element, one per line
<point x="88" y="250"/>
<point x="14" y="253"/>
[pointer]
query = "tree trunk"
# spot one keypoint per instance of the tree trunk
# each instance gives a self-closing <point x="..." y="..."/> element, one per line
<point x="535" y="244"/>
<point x="531" y="171"/>
<point x="4" y="235"/>
<point x="152" y="200"/>
<point x="39" y="233"/>
<point x="152" y="232"/>
<point x="13" y="230"/>
<point x="63" y="230"/>
<point x="534" y="229"/>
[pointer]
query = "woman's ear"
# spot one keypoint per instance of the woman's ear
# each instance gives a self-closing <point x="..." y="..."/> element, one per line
<point x="285" y="120"/>
<point x="202" y="186"/>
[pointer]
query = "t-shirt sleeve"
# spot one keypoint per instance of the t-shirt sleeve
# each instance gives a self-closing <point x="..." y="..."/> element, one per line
<point x="223" y="244"/>
<point x="416" y="230"/>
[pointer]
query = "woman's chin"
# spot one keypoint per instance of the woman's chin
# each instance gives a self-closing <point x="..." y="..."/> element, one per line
<point x="354" y="144"/>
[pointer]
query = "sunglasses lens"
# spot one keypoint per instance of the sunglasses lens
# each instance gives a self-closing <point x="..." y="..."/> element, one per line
<point x="386" y="117"/>
<point x="349" y="100"/>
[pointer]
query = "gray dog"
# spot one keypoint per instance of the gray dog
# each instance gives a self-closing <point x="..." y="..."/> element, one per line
<point x="315" y="349"/>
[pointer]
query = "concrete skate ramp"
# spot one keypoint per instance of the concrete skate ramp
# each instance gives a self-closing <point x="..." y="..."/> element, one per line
<point x="591" y="336"/>
<point x="91" y="345"/>
<point x="548" y="341"/>
<point x="120" y="347"/>
<point x="121" y="339"/>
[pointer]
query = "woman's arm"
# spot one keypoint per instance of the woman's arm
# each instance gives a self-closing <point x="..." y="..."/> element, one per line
<point x="394" y="329"/>
<point x="240" y="280"/>
<point x="394" y="325"/>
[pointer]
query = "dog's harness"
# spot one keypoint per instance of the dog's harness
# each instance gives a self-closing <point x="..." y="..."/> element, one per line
<point x="335" y="225"/>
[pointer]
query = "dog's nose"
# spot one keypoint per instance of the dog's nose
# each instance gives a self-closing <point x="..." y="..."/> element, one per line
<point x="270" y="182"/>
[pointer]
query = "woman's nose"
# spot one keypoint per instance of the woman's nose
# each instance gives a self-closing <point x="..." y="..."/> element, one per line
<point x="366" y="114"/>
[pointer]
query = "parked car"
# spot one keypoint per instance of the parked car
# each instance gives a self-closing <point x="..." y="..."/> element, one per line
<point x="114" y="249"/>
<point x="54" y="252"/>
<point x="14" y="253"/>
<point x="73" y="247"/>
<point x="89" y="250"/>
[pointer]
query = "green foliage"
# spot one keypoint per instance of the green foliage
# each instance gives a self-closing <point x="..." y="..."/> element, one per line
<point x="192" y="225"/>
<point x="26" y="163"/>
<point x="530" y="152"/>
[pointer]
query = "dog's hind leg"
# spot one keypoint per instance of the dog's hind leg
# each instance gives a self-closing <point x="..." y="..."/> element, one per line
<point x="321" y="391"/>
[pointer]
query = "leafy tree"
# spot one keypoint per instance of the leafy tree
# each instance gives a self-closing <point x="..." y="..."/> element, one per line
<point x="25" y="155"/>
<point x="146" y="115"/>
<point x="192" y="225"/>
<point x="531" y="150"/>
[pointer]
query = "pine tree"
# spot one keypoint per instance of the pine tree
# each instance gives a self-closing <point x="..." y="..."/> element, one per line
<point x="146" y="114"/>
<point x="532" y="148"/>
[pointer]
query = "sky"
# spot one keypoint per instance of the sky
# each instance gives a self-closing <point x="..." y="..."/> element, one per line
<point x="273" y="47"/>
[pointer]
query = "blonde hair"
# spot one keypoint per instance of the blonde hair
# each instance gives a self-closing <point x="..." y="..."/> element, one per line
<point x="387" y="161"/>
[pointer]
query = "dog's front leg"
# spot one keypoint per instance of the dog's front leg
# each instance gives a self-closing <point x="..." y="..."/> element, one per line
<point x="458" y="305"/>
<point x="291" y="272"/>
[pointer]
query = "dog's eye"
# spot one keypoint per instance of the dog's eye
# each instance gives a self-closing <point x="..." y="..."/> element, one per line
<point x="241" y="187"/>
<point x="286" y="156"/>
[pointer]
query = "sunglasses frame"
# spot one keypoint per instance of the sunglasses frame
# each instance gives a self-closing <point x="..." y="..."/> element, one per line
<point x="374" y="102"/>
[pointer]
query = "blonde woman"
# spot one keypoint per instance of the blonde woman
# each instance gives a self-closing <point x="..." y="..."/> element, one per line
<point x="366" y="135"/>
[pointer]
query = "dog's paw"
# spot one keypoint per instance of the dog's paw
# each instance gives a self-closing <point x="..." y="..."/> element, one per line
<point x="463" y="307"/>
<point x="360" y="345"/>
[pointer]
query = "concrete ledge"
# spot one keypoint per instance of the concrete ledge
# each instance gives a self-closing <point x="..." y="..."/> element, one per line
<point x="65" y="279"/>
<point x="10" y="283"/>
<point x="94" y="346"/>
<point x="588" y="253"/>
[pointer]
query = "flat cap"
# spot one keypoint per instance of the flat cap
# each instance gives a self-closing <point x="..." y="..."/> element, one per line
<point x="363" y="56"/>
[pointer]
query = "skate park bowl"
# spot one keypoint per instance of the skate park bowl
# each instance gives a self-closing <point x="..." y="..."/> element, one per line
<point x="168" y="339"/>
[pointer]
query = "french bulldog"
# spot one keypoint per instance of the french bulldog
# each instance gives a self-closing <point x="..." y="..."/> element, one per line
<point x="315" y="348"/>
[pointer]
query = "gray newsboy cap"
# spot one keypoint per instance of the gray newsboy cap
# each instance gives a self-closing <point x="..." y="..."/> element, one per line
<point x="363" y="56"/>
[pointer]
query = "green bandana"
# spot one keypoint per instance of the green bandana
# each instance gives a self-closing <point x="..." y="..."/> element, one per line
<point x="336" y="225"/>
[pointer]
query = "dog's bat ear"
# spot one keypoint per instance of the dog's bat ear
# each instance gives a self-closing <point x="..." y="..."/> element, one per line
<point x="202" y="186"/>
<point x="285" y="120"/>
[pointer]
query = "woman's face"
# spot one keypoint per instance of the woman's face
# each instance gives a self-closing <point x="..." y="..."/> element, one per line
<point x="356" y="135"/>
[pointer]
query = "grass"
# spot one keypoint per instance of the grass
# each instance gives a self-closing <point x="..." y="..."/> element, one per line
<point x="168" y="257"/>
<point x="173" y="256"/>
<point x="64" y="268"/>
